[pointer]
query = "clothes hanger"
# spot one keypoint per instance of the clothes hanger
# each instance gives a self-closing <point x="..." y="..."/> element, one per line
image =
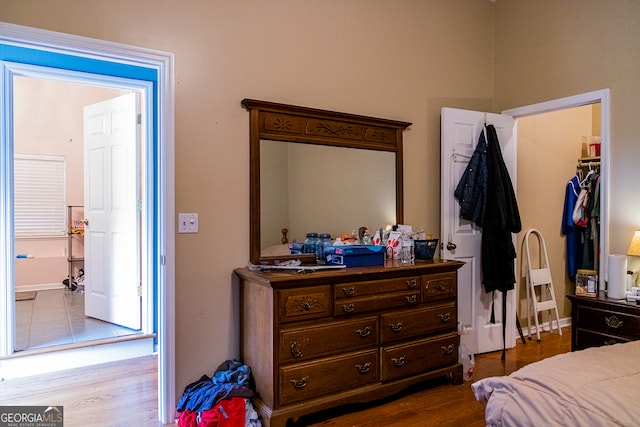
<point x="586" y="178"/>
<point x="484" y="128"/>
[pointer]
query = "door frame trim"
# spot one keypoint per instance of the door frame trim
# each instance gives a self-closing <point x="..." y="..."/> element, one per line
<point x="121" y="56"/>
<point x="601" y="96"/>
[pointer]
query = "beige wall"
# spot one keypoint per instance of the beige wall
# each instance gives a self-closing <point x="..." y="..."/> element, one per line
<point x="400" y="60"/>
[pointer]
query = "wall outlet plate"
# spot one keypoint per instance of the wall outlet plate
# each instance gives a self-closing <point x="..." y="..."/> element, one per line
<point x="187" y="223"/>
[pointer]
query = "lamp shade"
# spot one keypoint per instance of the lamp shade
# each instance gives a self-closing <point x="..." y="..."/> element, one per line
<point x="634" y="247"/>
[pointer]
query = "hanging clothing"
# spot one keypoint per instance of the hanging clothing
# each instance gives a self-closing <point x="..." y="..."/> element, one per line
<point x="581" y="222"/>
<point x="591" y="228"/>
<point x="595" y="222"/>
<point x="471" y="191"/>
<point x="570" y="230"/>
<point x="580" y="215"/>
<point x="487" y="198"/>
<point x="501" y="219"/>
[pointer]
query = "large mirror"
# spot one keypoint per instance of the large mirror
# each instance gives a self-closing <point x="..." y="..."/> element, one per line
<point x="319" y="171"/>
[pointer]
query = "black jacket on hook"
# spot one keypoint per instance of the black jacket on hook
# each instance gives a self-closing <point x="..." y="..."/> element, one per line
<point x="501" y="218"/>
<point x="471" y="191"/>
<point x="486" y="197"/>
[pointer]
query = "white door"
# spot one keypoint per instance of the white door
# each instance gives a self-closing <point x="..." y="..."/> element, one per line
<point x="112" y="278"/>
<point x="460" y="130"/>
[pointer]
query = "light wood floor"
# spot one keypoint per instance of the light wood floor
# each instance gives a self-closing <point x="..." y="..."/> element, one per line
<point x="125" y="393"/>
<point x="439" y="403"/>
<point x="121" y="393"/>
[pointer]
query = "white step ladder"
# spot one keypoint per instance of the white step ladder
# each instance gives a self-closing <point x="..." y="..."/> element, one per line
<point x="540" y="294"/>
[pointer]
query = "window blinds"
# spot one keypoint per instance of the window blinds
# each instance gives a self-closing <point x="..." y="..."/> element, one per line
<point x="39" y="196"/>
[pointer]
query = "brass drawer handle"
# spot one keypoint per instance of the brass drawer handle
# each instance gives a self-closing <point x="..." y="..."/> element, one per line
<point x="438" y="286"/>
<point x="398" y="361"/>
<point x="397" y="327"/>
<point x="411" y="299"/>
<point x="363" y="369"/>
<point x="350" y="308"/>
<point x="610" y="342"/>
<point x="307" y="303"/>
<point x="613" y="322"/>
<point x="364" y="332"/>
<point x="448" y="349"/>
<point x="301" y="383"/>
<point x="445" y="317"/>
<point x="295" y="351"/>
<point x="412" y="283"/>
<point x="349" y="291"/>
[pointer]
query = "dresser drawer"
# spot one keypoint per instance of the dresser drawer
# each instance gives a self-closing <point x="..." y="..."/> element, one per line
<point x="397" y="325"/>
<point x="304" y="343"/>
<point x="608" y="322"/>
<point x="303" y="303"/>
<point x="351" y="306"/>
<point x="303" y="381"/>
<point x="585" y="339"/>
<point x="358" y="289"/>
<point x="403" y="360"/>
<point x="438" y="286"/>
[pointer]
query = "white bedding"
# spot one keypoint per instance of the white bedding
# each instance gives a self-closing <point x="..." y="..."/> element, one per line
<point x="593" y="387"/>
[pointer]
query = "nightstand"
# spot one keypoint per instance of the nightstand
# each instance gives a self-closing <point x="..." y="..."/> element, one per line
<point x="597" y="321"/>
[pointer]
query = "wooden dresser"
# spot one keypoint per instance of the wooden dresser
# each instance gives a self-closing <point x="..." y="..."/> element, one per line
<point x="597" y="321"/>
<point x="330" y="337"/>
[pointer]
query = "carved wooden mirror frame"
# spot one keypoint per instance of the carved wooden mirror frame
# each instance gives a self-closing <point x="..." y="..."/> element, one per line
<point x="281" y="122"/>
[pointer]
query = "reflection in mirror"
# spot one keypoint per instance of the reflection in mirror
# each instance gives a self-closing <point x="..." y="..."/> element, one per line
<point x="324" y="189"/>
<point x="295" y="184"/>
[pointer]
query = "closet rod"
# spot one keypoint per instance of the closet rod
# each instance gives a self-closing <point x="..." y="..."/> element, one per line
<point x="587" y="163"/>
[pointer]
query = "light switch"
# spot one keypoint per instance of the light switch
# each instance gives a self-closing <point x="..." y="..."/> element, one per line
<point x="187" y="223"/>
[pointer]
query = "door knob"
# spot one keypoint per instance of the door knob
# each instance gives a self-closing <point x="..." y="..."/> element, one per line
<point x="451" y="246"/>
<point x="85" y="221"/>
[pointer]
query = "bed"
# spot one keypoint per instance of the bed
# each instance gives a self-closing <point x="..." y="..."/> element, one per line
<point x="597" y="386"/>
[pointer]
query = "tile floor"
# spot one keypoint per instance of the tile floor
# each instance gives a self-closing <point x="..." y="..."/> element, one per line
<point x="56" y="317"/>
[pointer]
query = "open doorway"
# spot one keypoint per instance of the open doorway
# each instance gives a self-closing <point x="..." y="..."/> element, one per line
<point x="549" y="155"/>
<point x="554" y="148"/>
<point x="50" y="267"/>
<point x="62" y="125"/>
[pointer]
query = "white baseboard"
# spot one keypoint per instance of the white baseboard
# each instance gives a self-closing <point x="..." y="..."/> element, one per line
<point x="39" y="287"/>
<point x="544" y="327"/>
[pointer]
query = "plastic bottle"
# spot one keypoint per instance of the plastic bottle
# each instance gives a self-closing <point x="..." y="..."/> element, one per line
<point x="310" y="243"/>
<point x="407" y="249"/>
<point x="468" y="362"/>
<point x="324" y="241"/>
<point x="366" y="238"/>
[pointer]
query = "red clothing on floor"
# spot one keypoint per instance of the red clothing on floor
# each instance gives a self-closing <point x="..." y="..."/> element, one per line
<point x="227" y="413"/>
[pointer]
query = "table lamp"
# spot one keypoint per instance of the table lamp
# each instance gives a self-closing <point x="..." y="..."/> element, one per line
<point x="634" y="250"/>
